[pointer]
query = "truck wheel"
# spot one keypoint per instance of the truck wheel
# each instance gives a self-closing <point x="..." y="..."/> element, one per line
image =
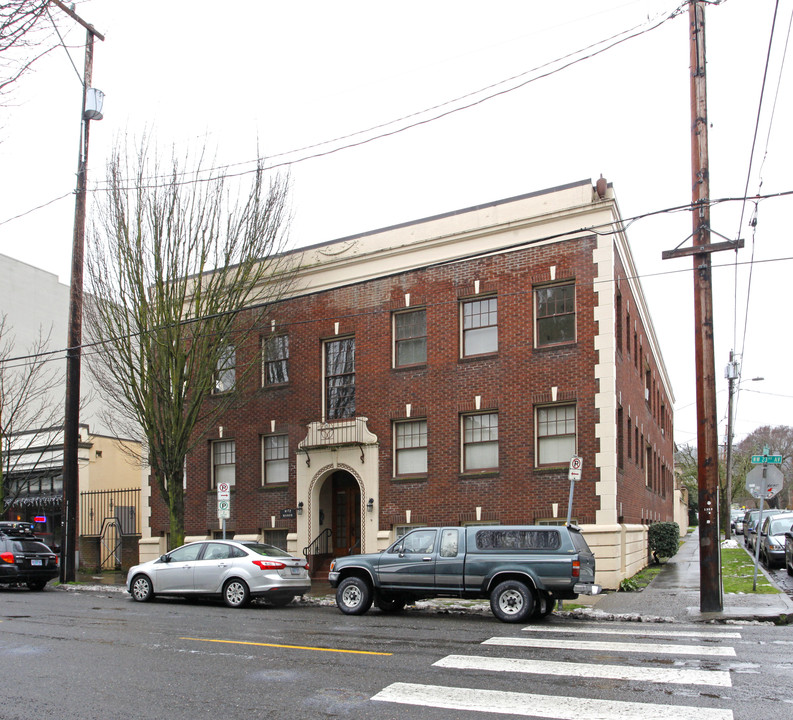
<point x="389" y="604"/>
<point x="353" y="596"/>
<point x="544" y="606"/>
<point x="511" y="601"/>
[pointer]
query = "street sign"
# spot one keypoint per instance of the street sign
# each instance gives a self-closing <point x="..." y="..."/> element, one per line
<point x="224" y="510"/>
<point x="762" y="459"/>
<point x="224" y="491"/>
<point x="764" y="482"/>
<point x="576" y="463"/>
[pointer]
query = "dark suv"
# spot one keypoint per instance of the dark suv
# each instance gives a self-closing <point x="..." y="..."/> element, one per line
<point x="24" y="559"/>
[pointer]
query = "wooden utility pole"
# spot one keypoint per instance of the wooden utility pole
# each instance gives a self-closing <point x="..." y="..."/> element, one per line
<point x="710" y="591"/>
<point x="71" y="427"/>
<point x="710" y="594"/>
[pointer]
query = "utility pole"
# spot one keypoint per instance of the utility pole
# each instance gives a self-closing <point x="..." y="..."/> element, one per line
<point x="74" y="341"/>
<point x="710" y="591"/>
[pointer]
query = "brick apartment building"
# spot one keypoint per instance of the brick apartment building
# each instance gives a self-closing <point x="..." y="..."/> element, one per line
<point x="445" y="371"/>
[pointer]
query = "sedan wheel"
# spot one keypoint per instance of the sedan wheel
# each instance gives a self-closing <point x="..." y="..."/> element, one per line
<point x="141" y="589"/>
<point x="236" y="593"/>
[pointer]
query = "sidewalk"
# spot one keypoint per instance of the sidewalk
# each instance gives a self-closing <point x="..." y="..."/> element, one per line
<point x="674" y="595"/>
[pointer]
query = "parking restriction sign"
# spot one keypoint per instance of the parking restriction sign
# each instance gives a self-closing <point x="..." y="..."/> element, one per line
<point x="576" y="463"/>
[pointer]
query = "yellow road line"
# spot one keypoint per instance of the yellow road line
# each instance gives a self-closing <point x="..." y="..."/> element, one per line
<point x="288" y="647"/>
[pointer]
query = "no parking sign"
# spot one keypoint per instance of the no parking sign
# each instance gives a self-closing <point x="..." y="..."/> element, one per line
<point x="576" y="463"/>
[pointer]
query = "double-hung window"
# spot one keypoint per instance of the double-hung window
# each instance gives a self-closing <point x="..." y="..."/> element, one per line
<point x="410" y="441"/>
<point x="340" y="378"/>
<point x="224" y="461"/>
<point x="225" y="370"/>
<point x="556" y="434"/>
<point x="479" y="326"/>
<point x="480" y="442"/>
<point x="410" y="338"/>
<point x="554" y="311"/>
<point x="275" y="360"/>
<point x="275" y="453"/>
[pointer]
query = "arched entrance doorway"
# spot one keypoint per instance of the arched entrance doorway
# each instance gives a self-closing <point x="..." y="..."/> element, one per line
<point x="345" y="513"/>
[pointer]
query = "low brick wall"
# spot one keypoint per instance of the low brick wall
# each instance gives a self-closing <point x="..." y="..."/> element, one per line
<point x="91" y="553"/>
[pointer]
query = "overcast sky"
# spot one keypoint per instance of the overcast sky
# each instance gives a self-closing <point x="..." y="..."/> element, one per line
<point x="247" y="78"/>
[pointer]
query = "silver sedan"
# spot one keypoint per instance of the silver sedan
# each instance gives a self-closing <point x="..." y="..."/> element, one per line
<point x="235" y="571"/>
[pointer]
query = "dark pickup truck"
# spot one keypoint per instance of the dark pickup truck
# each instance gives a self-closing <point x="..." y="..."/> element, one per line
<point x="523" y="570"/>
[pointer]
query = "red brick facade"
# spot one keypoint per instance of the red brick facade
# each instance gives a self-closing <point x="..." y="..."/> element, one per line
<point x="512" y="382"/>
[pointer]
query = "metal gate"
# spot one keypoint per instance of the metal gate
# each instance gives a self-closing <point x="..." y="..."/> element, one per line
<point x="109" y="516"/>
<point x="110" y="544"/>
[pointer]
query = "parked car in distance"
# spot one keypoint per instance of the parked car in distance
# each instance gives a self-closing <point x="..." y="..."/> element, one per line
<point x="24" y="559"/>
<point x="522" y="570"/>
<point x="789" y="552"/>
<point x="235" y="571"/>
<point x="750" y="525"/>
<point x="772" y="538"/>
<point x="736" y="521"/>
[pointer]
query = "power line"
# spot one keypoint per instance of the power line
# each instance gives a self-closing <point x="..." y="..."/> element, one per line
<point x="567" y="61"/>
<point x="753" y="222"/>
<point x="93" y="348"/>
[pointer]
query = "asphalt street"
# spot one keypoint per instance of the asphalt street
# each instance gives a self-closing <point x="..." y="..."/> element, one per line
<point x="97" y="654"/>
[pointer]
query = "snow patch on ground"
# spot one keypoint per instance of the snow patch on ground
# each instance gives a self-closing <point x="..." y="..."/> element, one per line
<point x="600" y="615"/>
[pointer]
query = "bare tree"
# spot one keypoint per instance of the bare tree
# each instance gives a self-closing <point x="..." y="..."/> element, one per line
<point x="27" y="33"/>
<point x="31" y="411"/>
<point x="180" y="276"/>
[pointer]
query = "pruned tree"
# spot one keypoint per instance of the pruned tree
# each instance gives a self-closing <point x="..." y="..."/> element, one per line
<point x="180" y="274"/>
<point x="31" y="410"/>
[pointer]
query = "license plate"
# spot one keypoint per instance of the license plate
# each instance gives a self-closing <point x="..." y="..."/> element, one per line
<point x="36" y="561"/>
<point x="296" y="571"/>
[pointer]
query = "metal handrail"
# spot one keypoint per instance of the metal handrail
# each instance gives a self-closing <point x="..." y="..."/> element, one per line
<point x="320" y="545"/>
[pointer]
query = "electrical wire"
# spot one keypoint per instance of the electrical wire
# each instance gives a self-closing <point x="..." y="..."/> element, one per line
<point x="63" y="45"/>
<point x="95" y="348"/>
<point x="753" y="222"/>
<point x="749" y="170"/>
<point x="567" y="61"/>
<point x="38" y="207"/>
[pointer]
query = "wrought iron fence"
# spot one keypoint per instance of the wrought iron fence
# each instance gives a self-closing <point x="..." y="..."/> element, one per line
<point x="122" y="507"/>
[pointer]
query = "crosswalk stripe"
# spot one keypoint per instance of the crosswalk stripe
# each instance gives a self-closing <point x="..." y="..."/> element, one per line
<point x="542" y="706"/>
<point x="634" y="632"/>
<point x="679" y="676"/>
<point x="563" y="644"/>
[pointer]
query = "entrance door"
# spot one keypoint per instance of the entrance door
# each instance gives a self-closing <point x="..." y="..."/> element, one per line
<point x="346" y="514"/>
